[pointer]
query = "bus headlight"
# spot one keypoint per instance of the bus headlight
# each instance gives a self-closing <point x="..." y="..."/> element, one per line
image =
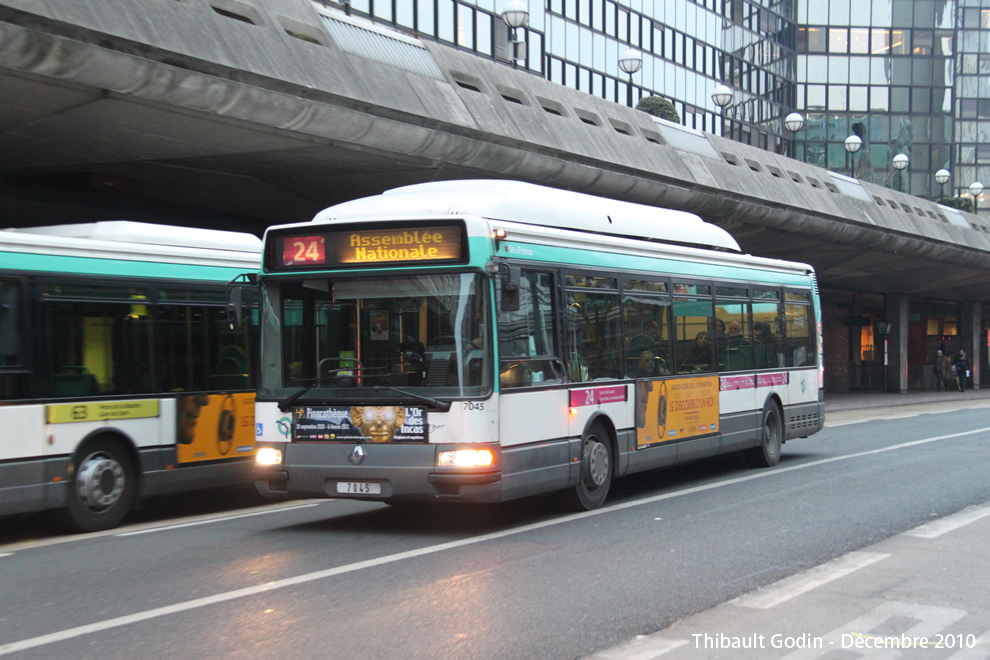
<point x="269" y="456"/>
<point x="466" y="458"/>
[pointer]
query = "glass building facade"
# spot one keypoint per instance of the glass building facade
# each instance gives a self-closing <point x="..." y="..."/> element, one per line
<point x="908" y="77"/>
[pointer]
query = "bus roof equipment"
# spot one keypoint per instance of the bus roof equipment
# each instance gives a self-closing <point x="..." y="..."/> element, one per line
<point x="143" y="233"/>
<point x="527" y="203"/>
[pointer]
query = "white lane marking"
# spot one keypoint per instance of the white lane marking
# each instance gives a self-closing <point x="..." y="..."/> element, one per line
<point x="788" y="588"/>
<point x="644" y="647"/>
<point x="979" y="651"/>
<point x="381" y="561"/>
<point x="72" y="538"/>
<point x="168" y="528"/>
<point x="6" y="554"/>
<point x="941" y="526"/>
<point x="931" y="620"/>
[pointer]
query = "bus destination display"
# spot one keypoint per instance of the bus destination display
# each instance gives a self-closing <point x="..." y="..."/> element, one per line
<point x="370" y="246"/>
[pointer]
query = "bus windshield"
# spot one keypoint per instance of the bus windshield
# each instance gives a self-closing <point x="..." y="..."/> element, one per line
<point x="346" y="339"/>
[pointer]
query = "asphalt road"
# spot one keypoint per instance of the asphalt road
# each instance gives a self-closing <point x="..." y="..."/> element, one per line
<point x="521" y="580"/>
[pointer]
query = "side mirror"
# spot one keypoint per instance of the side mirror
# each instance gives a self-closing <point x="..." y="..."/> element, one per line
<point x="510" y="277"/>
<point x="235" y="307"/>
<point x="235" y="298"/>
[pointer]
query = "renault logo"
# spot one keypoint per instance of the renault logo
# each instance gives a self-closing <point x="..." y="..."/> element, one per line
<point x="356" y="455"/>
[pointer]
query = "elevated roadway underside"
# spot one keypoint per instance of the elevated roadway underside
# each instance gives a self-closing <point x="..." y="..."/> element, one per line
<point x="138" y="110"/>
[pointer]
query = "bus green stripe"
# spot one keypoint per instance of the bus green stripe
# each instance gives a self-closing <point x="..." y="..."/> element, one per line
<point x="44" y="263"/>
<point x="481" y="251"/>
<point x="658" y="265"/>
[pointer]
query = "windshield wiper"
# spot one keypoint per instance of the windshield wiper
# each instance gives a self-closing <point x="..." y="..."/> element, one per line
<point x="285" y="403"/>
<point x="442" y="406"/>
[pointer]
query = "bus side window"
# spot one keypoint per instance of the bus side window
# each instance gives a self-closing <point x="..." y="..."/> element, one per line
<point x="647" y="338"/>
<point x="10" y="325"/>
<point x="196" y="349"/>
<point x="767" y="348"/>
<point x="104" y="342"/>
<point x="800" y="323"/>
<point x="527" y="338"/>
<point x="734" y="346"/>
<point x="693" y="330"/>
<point x="13" y="373"/>
<point x="594" y="335"/>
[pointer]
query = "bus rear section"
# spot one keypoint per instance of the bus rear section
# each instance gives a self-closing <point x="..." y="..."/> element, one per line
<point x="120" y="375"/>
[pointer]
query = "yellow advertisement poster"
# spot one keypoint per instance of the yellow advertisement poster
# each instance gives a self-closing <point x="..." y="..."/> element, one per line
<point x="214" y="426"/>
<point x="674" y="409"/>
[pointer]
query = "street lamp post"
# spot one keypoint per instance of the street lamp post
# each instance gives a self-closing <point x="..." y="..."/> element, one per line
<point x="722" y="96"/>
<point x="630" y="63"/>
<point x="516" y="15"/>
<point x="900" y="162"/>
<point x="883" y="329"/>
<point x="975" y="189"/>
<point x="853" y="144"/>
<point x="794" y="122"/>
<point x="941" y="178"/>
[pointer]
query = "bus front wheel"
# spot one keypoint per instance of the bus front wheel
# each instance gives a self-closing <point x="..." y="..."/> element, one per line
<point x="767" y="453"/>
<point x="103" y="487"/>
<point x="596" y="473"/>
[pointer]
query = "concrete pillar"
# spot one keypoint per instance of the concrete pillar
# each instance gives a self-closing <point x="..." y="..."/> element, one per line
<point x="970" y="327"/>
<point x="897" y="311"/>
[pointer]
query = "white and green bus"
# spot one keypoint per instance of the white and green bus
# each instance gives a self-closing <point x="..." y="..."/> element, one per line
<point x="120" y="374"/>
<point x="479" y="341"/>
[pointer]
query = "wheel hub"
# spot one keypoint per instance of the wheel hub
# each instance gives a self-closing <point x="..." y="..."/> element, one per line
<point x="100" y="482"/>
<point x="596" y="465"/>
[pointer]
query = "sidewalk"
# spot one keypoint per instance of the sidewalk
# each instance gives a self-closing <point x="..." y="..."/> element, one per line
<point x="865" y="400"/>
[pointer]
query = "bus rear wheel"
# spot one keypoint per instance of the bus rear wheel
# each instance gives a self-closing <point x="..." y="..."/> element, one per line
<point x="767" y="453"/>
<point x="102" y="489"/>
<point x="596" y="473"/>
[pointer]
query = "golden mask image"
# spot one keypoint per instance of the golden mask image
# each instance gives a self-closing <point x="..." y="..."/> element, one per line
<point x="378" y="423"/>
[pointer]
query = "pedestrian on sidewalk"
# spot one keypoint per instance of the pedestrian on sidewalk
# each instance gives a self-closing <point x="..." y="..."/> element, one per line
<point x="962" y="367"/>
<point x="941" y="364"/>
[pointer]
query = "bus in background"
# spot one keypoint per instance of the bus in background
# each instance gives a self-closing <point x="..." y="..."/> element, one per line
<point x="479" y="341"/>
<point x="120" y="375"/>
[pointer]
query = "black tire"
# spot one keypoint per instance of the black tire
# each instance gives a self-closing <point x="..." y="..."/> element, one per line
<point x="103" y="487"/>
<point x="596" y="473"/>
<point x="767" y="454"/>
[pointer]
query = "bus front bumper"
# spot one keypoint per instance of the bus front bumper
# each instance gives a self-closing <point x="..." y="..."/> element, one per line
<point x="385" y="472"/>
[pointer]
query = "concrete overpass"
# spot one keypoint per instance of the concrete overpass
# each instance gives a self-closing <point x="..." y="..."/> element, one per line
<point x="243" y="113"/>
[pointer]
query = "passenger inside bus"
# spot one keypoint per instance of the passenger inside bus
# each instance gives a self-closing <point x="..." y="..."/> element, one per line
<point x="764" y="354"/>
<point x="734" y="354"/>
<point x="696" y="356"/>
<point x="651" y="341"/>
<point x="645" y="365"/>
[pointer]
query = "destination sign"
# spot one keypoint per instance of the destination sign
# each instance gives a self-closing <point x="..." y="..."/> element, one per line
<point x="298" y="250"/>
<point x="369" y="246"/>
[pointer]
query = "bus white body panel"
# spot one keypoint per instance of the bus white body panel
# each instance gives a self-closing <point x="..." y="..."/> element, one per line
<point x="527" y="417"/>
<point x="270" y="423"/>
<point x="590" y="400"/>
<point x="23" y="432"/>
<point x="471" y="422"/>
